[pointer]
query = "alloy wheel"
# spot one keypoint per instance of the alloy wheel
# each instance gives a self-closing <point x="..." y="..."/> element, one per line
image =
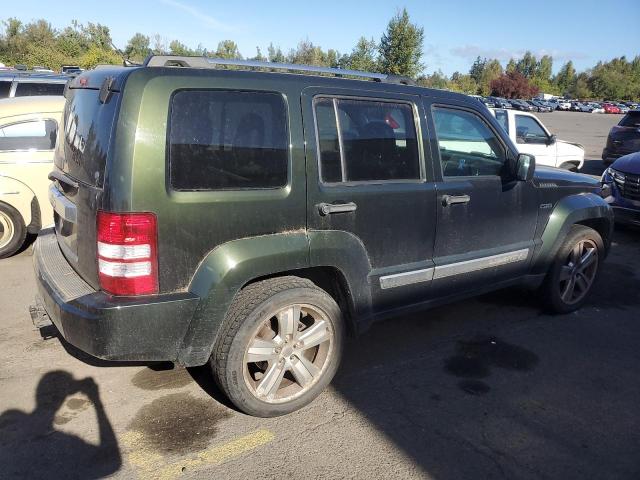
<point x="578" y="272"/>
<point x="6" y="229"/>
<point x="288" y="353"/>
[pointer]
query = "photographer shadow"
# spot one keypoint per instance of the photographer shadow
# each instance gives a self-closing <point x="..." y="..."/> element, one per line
<point x="31" y="446"/>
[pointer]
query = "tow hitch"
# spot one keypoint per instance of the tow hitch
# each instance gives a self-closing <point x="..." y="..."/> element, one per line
<point x="41" y="321"/>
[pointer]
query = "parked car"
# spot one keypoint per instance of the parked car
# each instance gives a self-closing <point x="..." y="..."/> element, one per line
<point x="610" y="108"/>
<point x="248" y="219"/>
<point x="482" y="100"/>
<point x="24" y="84"/>
<point x="488" y="102"/>
<point x="540" y="105"/>
<point x="623" y="108"/>
<point x="623" y="180"/>
<point x="522" y="105"/>
<point x="564" y="105"/>
<point x="28" y="129"/>
<point x="596" y="108"/>
<point x="500" y="102"/>
<point x="532" y="137"/>
<point x="623" y="138"/>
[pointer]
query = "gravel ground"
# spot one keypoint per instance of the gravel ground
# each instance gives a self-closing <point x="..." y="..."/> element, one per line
<point x="485" y="388"/>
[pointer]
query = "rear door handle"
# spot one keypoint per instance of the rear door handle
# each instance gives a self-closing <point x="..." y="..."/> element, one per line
<point x="329" y="208"/>
<point x="453" y="199"/>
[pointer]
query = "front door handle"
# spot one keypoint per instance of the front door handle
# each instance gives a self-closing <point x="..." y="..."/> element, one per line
<point x="329" y="208"/>
<point x="453" y="199"/>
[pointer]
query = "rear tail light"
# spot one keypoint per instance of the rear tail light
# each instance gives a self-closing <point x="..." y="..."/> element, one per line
<point x="128" y="253"/>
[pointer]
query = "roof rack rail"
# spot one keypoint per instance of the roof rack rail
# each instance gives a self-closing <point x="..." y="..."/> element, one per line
<point x="206" y="62"/>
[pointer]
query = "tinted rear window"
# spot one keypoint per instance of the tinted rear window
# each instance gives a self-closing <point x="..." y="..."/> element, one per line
<point x="222" y="140"/>
<point x="31" y="135"/>
<point x="5" y="88"/>
<point x="26" y="89"/>
<point x="631" y="119"/>
<point x="84" y="137"/>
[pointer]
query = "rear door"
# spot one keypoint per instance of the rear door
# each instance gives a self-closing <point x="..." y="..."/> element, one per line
<point x="80" y="162"/>
<point x="486" y="222"/>
<point x="366" y="176"/>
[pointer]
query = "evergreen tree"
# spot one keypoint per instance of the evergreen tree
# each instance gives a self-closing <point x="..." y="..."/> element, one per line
<point x="401" y="46"/>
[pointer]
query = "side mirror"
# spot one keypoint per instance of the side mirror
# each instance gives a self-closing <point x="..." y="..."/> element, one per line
<point x="525" y="167"/>
<point x="552" y="139"/>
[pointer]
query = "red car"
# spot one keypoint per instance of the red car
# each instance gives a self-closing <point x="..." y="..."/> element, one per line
<point x="608" y="108"/>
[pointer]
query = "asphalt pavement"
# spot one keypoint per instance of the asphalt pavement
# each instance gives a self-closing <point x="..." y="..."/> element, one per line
<point x="485" y="388"/>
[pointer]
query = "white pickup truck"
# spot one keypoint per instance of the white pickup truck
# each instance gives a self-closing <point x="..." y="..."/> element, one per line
<point x="531" y="136"/>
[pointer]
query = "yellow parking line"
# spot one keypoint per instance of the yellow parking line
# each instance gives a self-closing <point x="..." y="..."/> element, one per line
<point x="150" y="464"/>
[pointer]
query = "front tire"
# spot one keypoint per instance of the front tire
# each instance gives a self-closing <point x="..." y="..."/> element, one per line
<point x="574" y="270"/>
<point x="280" y="346"/>
<point x="13" y="231"/>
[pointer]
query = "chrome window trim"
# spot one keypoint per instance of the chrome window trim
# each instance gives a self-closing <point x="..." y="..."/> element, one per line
<point x="391" y="99"/>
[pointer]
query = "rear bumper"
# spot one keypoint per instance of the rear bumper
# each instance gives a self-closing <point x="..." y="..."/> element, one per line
<point x="148" y="328"/>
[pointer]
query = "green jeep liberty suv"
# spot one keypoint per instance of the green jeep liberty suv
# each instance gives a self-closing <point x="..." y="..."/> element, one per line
<point x="250" y="215"/>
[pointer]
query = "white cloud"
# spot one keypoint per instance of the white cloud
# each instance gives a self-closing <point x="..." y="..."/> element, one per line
<point x="207" y="20"/>
<point x="505" y="54"/>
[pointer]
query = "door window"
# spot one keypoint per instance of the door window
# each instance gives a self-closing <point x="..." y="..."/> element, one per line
<point x="31" y="135"/>
<point x="222" y="140"/>
<point x="528" y="130"/>
<point x="468" y="147"/>
<point x="5" y="88"/>
<point x="27" y="89"/>
<point x="366" y="140"/>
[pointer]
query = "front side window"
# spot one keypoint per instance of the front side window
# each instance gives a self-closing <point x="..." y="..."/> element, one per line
<point x="366" y="140"/>
<point x="468" y="147"/>
<point x="28" y="89"/>
<point x="223" y="140"/>
<point x="30" y="135"/>
<point x="528" y="130"/>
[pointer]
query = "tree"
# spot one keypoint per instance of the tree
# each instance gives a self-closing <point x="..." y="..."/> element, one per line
<point x="491" y="71"/>
<point x="308" y="54"/>
<point x="401" y="46"/>
<point x="159" y="45"/>
<point x="543" y="70"/>
<point x="364" y="56"/>
<point x="98" y="35"/>
<point x="259" y="56"/>
<point x="435" y="80"/>
<point x="228" y="49"/>
<point x="274" y="54"/>
<point x="580" y="89"/>
<point x="137" y="48"/>
<point x="527" y="65"/>
<point x="179" y="48"/>
<point x="566" y="77"/>
<point x="513" y="85"/>
<point x="511" y="66"/>
<point x="477" y="69"/>
<point x="463" y="83"/>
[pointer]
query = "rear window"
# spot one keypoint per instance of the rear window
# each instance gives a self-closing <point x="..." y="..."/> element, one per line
<point x="31" y="135"/>
<point x="85" y="135"/>
<point x="5" y="88"/>
<point x="226" y="140"/>
<point x="27" y="89"/>
<point x="631" y="119"/>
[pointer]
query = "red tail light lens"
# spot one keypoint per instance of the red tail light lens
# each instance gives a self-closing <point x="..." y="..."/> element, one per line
<point x="128" y="253"/>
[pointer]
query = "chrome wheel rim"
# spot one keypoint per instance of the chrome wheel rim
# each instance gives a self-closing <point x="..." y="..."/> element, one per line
<point x="288" y="352"/>
<point x="578" y="272"/>
<point x="6" y="230"/>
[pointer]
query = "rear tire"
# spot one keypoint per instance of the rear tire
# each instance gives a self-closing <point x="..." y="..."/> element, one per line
<point x="574" y="270"/>
<point x="280" y="346"/>
<point x="13" y="231"/>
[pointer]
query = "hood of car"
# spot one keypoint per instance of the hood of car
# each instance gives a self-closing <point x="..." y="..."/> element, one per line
<point x="569" y="148"/>
<point x="550" y="177"/>
<point x="628" y="164"/>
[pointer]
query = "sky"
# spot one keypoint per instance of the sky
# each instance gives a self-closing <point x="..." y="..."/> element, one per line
<point x="455" y="31"/>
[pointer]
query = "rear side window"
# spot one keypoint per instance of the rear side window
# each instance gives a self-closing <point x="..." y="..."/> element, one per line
<point x="503" y="119"/>
<point x="631" y="119"/>
<point x="31" y="135"/>
<point x="5" y="88"/>
<point x="26" y="89"/>
<point x="224" y="140"/>
<point x="366" y="140"/>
